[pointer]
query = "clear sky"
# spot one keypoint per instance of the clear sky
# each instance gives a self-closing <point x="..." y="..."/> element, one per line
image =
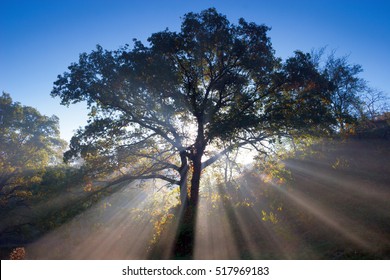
<point x="40" y="39"/>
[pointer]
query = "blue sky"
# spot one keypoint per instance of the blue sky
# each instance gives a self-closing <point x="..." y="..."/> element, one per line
<point x="40" y="39"/>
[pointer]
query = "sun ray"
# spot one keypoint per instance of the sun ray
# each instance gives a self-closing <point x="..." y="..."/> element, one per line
<point x="119" y="227"/>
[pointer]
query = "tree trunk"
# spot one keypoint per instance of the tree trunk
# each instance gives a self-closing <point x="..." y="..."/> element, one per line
<point x="185" y="237"/>
<point x="195" y="181"/>
<point x="183" y="190"/>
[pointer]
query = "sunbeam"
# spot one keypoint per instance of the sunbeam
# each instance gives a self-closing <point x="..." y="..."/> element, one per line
<point x="119" y="227"/>
<point x="321" y="209"/>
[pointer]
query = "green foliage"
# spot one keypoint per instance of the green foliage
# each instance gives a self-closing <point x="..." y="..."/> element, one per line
<point x="161" y="208"/>
<point x="29" y="142"/>
<point x="62" y="194"/>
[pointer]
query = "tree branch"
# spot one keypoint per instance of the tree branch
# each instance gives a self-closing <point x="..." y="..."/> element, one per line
<point x="141" y="177"/>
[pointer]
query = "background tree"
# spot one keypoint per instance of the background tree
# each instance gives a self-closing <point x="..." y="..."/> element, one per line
<point x="375" y="103"/>
<point x="346" y="87"/>
<point x="29" y="142"/>
<point x="354" y="102"/>
<point x="171" y="108"/>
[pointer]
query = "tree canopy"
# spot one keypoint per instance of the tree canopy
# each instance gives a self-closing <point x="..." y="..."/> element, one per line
<point x="189" y="97"/>
<point x="29" y="142"/>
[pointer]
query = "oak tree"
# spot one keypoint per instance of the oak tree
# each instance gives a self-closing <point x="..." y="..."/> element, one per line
<point x="170" y="108"/>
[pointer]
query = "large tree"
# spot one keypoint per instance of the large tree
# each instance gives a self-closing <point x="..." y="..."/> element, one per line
<point x="173" y="107"/>
<point x="29" y="142"/>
